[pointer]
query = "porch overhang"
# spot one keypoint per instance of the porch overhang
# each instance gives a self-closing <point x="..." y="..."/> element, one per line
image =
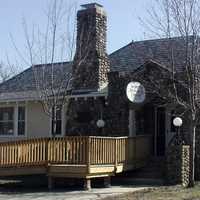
<point x="34" y="95"/>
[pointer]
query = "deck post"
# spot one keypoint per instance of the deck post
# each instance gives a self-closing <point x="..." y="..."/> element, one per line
<point x="88" y="154"/>
<point x="107" y="182"/>
<point x="51" y="182"/>
<point x="116" y="155"/>
<point x="87" y="184"/>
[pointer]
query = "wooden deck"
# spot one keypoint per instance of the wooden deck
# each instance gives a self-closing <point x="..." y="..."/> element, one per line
<point x="77" y="157"/>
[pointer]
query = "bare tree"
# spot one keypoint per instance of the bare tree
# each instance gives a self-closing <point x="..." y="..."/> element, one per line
<point x="7" y="71"/>
<point x="179" y="18"/>
<point x="48" y="46"/>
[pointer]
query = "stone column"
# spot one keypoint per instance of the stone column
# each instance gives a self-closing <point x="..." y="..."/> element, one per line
<point x="186" y="159"/>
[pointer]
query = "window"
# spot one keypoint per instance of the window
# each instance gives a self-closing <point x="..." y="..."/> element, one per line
<point x="21" y="120"/>
<point x="56" y="128"/>
<point x="7" y="121"/>
<point x="12" y="121"/>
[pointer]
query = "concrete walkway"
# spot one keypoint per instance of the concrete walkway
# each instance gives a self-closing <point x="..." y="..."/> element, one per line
<point x="94" y="194"/>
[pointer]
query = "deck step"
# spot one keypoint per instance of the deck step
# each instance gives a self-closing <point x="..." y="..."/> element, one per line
<point x="151" y="174"/>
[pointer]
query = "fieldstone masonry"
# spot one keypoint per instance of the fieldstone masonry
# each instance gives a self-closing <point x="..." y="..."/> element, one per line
<point x="90" y="73"/>
<point x="186" y="159"/>
<point x="173" y="165"/>
<point x="84" y="115"/>
<point x="91" y="64"/>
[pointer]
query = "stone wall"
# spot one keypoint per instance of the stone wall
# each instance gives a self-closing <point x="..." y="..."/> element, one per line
<point x="114" y="110"/>
<point x="83" y="114"/>
<point x="118" y="104"/>
<point x="173" y="161"/>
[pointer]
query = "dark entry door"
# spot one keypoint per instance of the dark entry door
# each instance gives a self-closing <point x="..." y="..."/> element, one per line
<point x="160" y="131"/>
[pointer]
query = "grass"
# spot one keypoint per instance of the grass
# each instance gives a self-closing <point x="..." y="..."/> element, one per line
<point x="163" y="193"/>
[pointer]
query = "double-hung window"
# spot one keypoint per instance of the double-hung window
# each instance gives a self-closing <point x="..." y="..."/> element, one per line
<point x="12" y="120"/>
<point x="6" y="121"/>
<point x="21" y="120"/>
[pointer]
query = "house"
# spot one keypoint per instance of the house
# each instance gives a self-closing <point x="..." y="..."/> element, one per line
<point x="98" y="92"/>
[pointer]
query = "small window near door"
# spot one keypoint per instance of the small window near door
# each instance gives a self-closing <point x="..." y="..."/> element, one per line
<point x="58" y="123"/>
<point x="21" y="120"/>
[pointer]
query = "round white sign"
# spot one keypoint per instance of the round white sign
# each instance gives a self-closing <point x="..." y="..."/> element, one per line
<point x="135" y="92"/>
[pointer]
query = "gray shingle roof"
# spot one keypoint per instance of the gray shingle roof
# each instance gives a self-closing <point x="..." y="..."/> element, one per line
<point x="26" y="81"/>
<point x="125" y="59"/>
<point x="136" y="54"/>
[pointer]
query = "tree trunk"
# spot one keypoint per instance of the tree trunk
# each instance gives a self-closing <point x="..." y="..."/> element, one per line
<point x="54" y="128"/>
<point x="54" y="121"/>
<point x="193" y="152"/>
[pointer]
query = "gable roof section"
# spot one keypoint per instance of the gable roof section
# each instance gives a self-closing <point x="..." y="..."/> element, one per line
<point x="136" y="54"/>
<point x="26" y="80"/>
<point x="23" y="86"/>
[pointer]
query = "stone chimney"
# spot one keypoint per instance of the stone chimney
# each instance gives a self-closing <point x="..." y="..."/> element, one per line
<point x="91" y="63"/>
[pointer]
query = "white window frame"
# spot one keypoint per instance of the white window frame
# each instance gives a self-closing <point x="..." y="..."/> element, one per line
<point x="25" y="120"/>
<point x="16" y="106"/>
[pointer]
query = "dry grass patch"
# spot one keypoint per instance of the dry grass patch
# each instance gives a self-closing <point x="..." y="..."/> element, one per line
<point x="163" y="193"/>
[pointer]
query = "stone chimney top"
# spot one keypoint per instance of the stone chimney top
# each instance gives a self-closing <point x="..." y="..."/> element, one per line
<point x="94" y="6"/>
<point x="91" y="5"/>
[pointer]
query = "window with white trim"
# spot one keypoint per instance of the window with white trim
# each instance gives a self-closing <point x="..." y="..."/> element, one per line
<point x="12" y="120"/>
<point x="21" y="120"/>
<point x="6" y="121"/>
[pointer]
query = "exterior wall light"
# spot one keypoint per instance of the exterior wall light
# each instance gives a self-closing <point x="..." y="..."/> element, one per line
<point x="100" y="123"/>
<point x="177" y="121"/>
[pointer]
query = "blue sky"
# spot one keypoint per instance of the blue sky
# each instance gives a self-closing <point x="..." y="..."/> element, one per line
<point x="123" y="23"/>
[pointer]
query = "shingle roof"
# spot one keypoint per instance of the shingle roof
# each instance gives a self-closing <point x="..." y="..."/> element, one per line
<point x="136" y="54"/>
<point x="126" y="59"/>
<point x="26" y="81"/>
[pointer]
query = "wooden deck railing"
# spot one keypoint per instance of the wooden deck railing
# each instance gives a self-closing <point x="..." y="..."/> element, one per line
<point x="75" y="150"/>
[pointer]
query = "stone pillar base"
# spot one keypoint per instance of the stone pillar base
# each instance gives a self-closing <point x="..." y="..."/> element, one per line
<point x="186" y="171"/>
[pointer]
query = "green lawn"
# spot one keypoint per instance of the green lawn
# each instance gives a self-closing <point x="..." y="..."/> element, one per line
<point x="165" y="193"/>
